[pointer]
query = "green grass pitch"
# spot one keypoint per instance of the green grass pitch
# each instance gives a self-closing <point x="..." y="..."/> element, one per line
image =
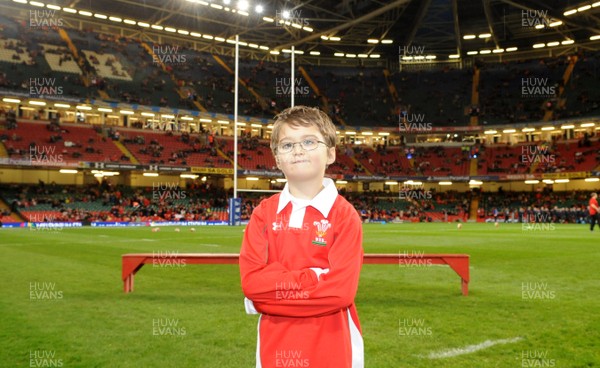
<point x="534" y="299"/>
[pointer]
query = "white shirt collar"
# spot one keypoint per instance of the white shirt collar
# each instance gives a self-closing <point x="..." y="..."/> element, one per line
<point x="322" y="201"/>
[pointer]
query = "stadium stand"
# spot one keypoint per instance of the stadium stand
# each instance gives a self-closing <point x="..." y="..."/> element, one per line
<point x="167" y="148"/>
<point x="128" y="67"/>
<point x="53" y="143"/>
<point x="582" y="92"/>
<point x="504" y="89"/>
<point x="254" y="154"/>
<point x="391" y="161"/>
<point x="440" y="96"/>
<point x="546" y="206"/>
<point x="130" y="70"/>
<point x="59" y="59"/>
<point x="103" y="202"/>
<point x="12" y="51"/>
<point x="38" y="53"/>
<point x="51" y="202"/>
<point x="356" y="96"/>
<point x="204" y="81"/>
<point x="525" y="157"/>
<point x="107" y="66"/>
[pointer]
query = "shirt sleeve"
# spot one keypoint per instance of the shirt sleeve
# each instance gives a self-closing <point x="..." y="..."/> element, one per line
<point x="259" y="278"/>
<point x="335" y="289"/>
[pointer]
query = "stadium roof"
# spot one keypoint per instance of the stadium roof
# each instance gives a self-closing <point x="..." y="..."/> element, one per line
<point x="413" y="27"/>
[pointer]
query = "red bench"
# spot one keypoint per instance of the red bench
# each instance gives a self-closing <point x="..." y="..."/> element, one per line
<point x="132" y="263"/>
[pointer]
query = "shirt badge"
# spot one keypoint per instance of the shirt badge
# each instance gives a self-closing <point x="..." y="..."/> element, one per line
<point x="322" y="227"/>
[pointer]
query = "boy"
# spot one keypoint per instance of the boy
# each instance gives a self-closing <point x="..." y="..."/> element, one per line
<point x="302" y="253"/>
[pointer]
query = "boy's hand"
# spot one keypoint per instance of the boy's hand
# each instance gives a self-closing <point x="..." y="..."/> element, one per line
<point x="319" y="271"/>
<point x="249" y="305"/>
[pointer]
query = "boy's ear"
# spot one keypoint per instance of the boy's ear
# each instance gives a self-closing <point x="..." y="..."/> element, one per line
<point x="330" y="155"/>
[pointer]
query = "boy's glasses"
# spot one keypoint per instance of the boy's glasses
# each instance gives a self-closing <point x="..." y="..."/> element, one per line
<point x="306" y="144"/>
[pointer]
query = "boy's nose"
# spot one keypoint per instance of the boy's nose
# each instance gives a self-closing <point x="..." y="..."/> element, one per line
<point x="297" y="148"/>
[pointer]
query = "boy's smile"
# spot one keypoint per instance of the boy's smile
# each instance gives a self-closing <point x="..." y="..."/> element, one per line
<point x="299" y="161"/>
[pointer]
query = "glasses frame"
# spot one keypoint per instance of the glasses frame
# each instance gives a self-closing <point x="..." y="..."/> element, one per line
<point x="279" y="150"/>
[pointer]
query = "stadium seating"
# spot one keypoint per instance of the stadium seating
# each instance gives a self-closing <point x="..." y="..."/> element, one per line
<point x="204" y="79"/>
<point x="254" y="154"/>
<point x="64" y="143"/>
<point x="59" y="59"/>
<point x="13" y="51"/>
<point x="107" y="66"/>
<point x="100" y="203"/>
<point x="9" y="218"/>
<point x="124" y="69"/>
<point x="168" y="148"/>
<point x="539" y="157"/>
<point x="581" y="92"/>
<point x="357" y="95"/>
<point x="37" y="63"/>
<point x="133" y="77"/>
<point x="501" y="89"/>
<point x="502" y="159"/>
<point x="439" y="95"/>
<point x="546" y="206"/>
<point x="55" y="203"/>
<point x="344" y="163"/>
<point x="391" y="161"/>
<point x="576" y="155"/>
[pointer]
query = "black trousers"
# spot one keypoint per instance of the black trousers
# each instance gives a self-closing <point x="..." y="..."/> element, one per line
<point x="593" y="220"/>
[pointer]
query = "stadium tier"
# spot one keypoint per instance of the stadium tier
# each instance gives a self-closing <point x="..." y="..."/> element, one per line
<point x="131" y="70"/>
<point x="47" y="143"/>
<point x="439" y="95"/>
<point x="56" y="203"/>
<point x="560" y="156"/>
<point x="76" y="142"/>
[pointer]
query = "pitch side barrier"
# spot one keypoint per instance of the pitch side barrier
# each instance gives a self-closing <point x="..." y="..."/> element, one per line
<point x="42" y="225"/>
<point x="158" y="223"/>
<point x="61" y="225"/>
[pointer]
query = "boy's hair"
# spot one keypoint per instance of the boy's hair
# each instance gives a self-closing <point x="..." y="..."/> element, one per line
<point x="304" y="116"/>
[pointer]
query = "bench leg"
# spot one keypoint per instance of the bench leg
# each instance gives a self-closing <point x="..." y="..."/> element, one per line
<point x="128" y="284"/>
<point x="461" y="267"/>
<point x="130" y="266"/>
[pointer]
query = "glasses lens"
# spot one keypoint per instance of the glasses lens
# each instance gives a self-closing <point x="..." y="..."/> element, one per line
<point x="309" y="144"/>
<point x="285" y="147"/>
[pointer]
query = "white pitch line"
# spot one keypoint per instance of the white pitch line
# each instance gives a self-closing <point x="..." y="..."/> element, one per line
<point x="449" y="353"/>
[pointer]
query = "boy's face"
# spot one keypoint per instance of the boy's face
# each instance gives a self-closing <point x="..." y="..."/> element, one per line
<point x="300" y="164"/>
